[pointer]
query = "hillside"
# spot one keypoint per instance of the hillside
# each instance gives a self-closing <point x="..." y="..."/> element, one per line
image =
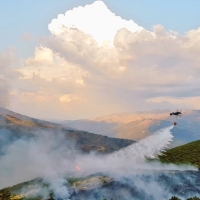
<point x="14" y="126"/>
<point x="8" y="117"/>
<point x="184" y="154"/>
<point x="99" y="187"/>
<point x="136" y="126"/>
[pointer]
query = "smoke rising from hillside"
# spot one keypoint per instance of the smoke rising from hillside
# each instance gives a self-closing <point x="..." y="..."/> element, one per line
<point x="132" y="157"/>
<point x="51" y="157"/>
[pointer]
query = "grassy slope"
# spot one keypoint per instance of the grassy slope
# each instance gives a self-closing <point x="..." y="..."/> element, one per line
<point x="185" y="154"/>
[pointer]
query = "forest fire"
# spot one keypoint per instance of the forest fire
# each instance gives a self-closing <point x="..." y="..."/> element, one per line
<point x="77" y="168"/>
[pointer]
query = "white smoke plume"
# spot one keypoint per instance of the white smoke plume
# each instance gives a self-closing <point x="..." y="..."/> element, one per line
<point x="50" y="157"/>
<point x="59" y="188"/>
<point x="132" y="157"/>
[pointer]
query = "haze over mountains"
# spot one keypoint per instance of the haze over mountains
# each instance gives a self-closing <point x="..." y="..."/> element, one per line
<point x="136" y="126"/>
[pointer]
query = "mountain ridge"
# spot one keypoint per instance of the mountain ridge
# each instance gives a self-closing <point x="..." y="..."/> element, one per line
<point x="138" y="125"/>
<point x="16" y="126"/>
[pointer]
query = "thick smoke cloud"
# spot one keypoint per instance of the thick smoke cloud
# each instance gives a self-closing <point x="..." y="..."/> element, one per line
<point x="41" y="156"/>
<point x="51" y="157"/>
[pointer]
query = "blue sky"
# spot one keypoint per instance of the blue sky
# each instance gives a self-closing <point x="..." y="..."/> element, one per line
<point x="179" y="15"/>
<point x="19" y="17"/>
<point x="98" y="62"/>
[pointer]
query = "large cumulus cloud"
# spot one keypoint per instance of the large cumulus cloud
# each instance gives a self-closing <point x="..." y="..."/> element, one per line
<point x="95" y="19"/>
<point x="97" y="63"/>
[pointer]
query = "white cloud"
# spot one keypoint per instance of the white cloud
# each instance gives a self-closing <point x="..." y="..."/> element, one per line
<point x="95" y="19"/>
<point x="67" y="98"/>
<point x="184" y="102"/>
<point x="76" y="69"/>
<point x="50" y="66"/>
<point x="8" y="76"/>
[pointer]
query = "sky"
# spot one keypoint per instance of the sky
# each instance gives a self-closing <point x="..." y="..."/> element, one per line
<point x="83" y="58"/>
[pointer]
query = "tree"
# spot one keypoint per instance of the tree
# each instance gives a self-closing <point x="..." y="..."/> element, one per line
<point x="193" y="198"/>
<point x="174" y="198"/>
<point x="5" y="194"/>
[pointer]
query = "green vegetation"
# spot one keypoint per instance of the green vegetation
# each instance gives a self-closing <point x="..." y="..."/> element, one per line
<point x="185" y="154"/>
<point x="174" y="198"/>
<point x="191" y="198"/>
<point x="5" y="194"/>
<point x="71" y="181"/>
<point x="15" y="192"/>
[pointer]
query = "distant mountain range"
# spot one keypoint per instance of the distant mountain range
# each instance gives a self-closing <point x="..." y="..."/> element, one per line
<point x="126" y="127"/>
<point x="141" y="124"/>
